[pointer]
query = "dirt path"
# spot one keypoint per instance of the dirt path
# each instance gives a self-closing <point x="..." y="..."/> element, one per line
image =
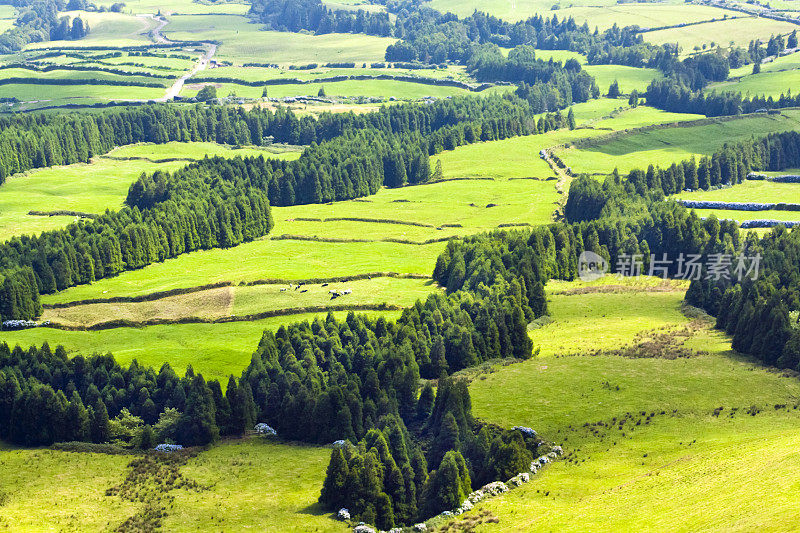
<point x="562" y="185"/>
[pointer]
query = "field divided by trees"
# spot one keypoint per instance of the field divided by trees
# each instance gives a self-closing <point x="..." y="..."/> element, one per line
<point x="401" y="277"/>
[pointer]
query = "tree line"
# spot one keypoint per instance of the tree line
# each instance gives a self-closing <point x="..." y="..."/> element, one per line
<point x="590" y="199"/>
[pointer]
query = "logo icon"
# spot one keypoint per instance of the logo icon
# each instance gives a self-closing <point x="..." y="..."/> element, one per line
<point x="591" y="266"/>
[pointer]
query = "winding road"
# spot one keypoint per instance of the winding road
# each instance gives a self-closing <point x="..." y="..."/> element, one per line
<point x="159" y="38"/>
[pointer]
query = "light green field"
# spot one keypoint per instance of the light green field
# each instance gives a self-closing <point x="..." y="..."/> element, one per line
<point x="665" y="145"/>
<point x="214" y="350"/>
<point x="75" y="75"/>
<point x="86" y="188"/>
<point x="107" y="29"/>
<point x="510" y="10"/>
<point x="350" y="88"/>
<point x="604" y="320"/>
<point x="257" y="485"/>
<point x="48" y="490"/>
<point x="789" y="62"/>
<point x="180" y="6"/>
<point x="688" y="473"/>
<point x="559" y="55"/>
<point x="641" y="116"/>
<point x="764" y="84"/>
<point x="47" y="95"/>
<point x="247" y="484"/>
<point x="749" y="191"/>
<point x="684" y="469"/>
<point x="645" y="15"/>
<point x="629" y="78"/>
<point x="249" y="300"/>
<point x="96" y="186"/>
<point x="262" y="259"/>
<point x="254" y="74"/>
<point x="740" y="31"/>
<point x="741" y="216"/>
<point x="199" y="150"/>
<point x="244" y="42"/>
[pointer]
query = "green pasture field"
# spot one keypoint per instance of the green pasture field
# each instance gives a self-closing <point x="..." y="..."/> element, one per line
<point x="606" y="320"/>
<point x="214" y="350"/>
<point x="685" y="473"/>
<point x="351" y="5"/>
<point x="510" y="10"/>
<point x="255" y="484"/>
<point x="243" y="42"/>
<point x="629" y="78"/>
<point x="33" y="75"/>
<point x="767" y="84"/>
<point x="373" y="88"/>
<point x="256" y="74"/>
<point x="471" y="206"/>
<point x="249" y="300"/>
<point x="247" y="483"/>
<point x="645" y="15"/>
<point x="7" y="17"/>
<point x="60" y="491"/>
<point x="199" y="150"/>
<point x="663" y="146"/>
<point x="558" y="55"/>
<point x="680" y="468"/>
<point x="788" y="62"/>
<point x="48" y="95"/>
<point x="641" y="116"/>
<point x="188" y="7"/>
<point x="107" y="29"/>
<point x="741" y="216"/>
<point x="749" y="191"/>
<point x="740" y="31"/>
<point x="262" y="259"/>
<point x="96" y="186"/>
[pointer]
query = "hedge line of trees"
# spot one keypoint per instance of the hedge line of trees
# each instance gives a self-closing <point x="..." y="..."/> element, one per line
<point x="672" y="95"/>
<point x="589" y="199"/>
<point x="313" y="15"/>
<point x="40" y="140"/>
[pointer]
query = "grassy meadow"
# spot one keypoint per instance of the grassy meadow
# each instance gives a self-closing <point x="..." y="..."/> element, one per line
<point x="403" y="90"/>
<point x="96" y="186"/>
<point x="60" y="491"/>
<point x="739" y="31"/>
<point x="243" y="42"/>
<point x="248" y="300"/>
<point x="672" y="463"/>
<point x="662" y="146"/>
